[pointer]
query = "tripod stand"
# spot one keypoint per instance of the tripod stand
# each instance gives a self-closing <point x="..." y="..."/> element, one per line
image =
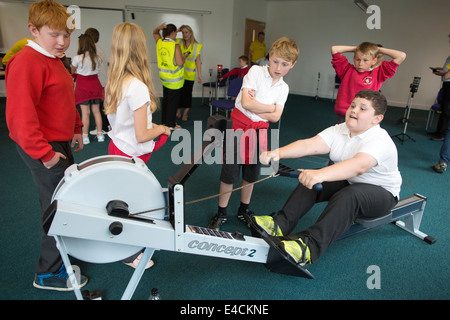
<point x="405" y="120"/>
<point x="316" y="98"/>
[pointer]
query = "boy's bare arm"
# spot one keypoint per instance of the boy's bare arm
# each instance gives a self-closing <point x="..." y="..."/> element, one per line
<point x="269" y="112"/>
<point x="343" y="170"/>
<point x="251" y="104"/>
<point x="396" y="55"/>
<point x="297" y="149"/>
<point x="342" y="49"/>
<point x="273" y="116"/>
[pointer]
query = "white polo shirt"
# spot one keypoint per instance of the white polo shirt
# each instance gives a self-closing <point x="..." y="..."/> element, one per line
<point x="84" y="67"/>
<point x="375" y="142"/>
<point x="259" y="79"/>
<point x="135" y="95"/>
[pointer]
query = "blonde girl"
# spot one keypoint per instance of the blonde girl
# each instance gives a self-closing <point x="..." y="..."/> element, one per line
<point x="192" y="67"/>
<point x="129" y="96"/>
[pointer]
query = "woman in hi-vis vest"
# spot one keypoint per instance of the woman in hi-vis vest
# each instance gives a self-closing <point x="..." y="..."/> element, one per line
<point x="192" y="66"/>
<point x="171" y="72"/>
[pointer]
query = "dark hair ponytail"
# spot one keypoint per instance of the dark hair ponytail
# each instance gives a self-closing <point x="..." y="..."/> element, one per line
<point x="168" y="30"/>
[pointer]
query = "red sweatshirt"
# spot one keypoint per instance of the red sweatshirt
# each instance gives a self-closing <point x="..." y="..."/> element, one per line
<point x="354" y="81"/>
<point x="40" y="104"/>
<point x="240" y="72"/>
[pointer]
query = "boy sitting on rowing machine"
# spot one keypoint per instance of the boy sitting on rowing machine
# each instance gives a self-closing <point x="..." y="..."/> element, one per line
<point x="363" y="181"/>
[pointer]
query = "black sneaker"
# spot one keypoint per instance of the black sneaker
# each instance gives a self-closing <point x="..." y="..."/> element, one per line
<point x="58" y="280"/>
<point x="244" y="215"/>
<point x="217" y="222"/>
<point x="438" y="137"/>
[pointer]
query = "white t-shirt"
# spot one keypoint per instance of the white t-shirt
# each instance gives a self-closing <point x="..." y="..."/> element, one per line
<point x="84" y="68"/>
<point x="375" y="142"/>
<point x="259" y="79"/>
<point x="135" y="95"/>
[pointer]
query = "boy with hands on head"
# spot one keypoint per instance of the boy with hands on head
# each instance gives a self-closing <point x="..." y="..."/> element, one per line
<point x="367" y="71"/>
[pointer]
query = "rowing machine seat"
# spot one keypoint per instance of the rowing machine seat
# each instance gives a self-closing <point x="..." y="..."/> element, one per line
<point x="374" y="222"/>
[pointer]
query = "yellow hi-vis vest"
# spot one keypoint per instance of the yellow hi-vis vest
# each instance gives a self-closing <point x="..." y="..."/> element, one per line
<point x="171" y="75"/>
<point x="189" y="64"/>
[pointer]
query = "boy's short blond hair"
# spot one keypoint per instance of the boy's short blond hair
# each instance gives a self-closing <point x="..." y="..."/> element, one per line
<point x="286" y="49"/>
<point x="368" y="48"/>
<point x="373" y="50"/>
<point x="49" y="13"/>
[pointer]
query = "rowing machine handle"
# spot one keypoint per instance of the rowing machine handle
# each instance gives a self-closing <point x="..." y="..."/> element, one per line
<point x="295" y="174"/>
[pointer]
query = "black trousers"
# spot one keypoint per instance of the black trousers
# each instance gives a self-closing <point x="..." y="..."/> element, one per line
<point x="46" y="181"/>
<point x="346" y="202"/>
<point x="170" y="103"/>
<point x="186" y="94"/>
<point x="442" y="124"/>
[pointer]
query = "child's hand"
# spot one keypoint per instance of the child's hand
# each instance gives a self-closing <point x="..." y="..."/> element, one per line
<point x="309" y="178"/>
<point x="77" y="141"/>
<point x="166" y="131"/>
<point x="50" y="163"/>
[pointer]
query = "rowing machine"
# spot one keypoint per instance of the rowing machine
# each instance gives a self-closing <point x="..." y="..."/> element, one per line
<point x="109" y="208"/>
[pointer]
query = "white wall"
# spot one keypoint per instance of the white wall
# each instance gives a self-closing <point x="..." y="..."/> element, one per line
<point x="244" y="9"/>
<point x="418" y="27"/>
<point x="216" y="33"/>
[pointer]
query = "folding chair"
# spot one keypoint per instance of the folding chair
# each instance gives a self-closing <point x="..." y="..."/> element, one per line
<point x="214" y="86"/>
<point x="227" y="104"/>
